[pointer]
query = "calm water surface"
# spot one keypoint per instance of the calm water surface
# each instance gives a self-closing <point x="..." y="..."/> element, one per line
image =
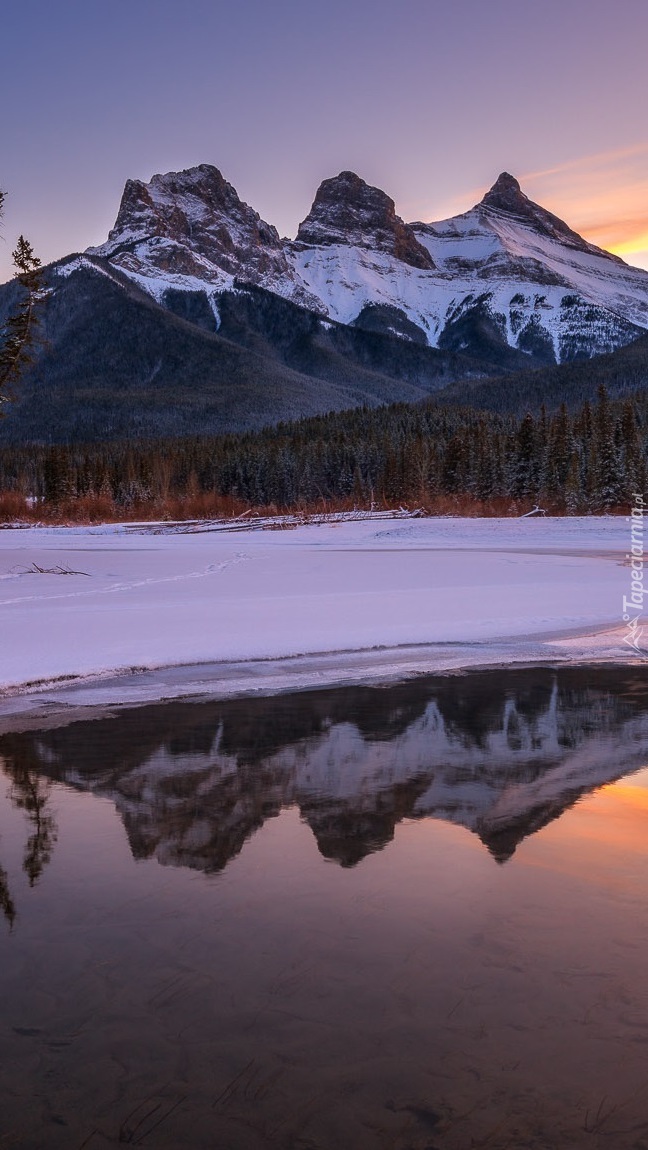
<point x="401" y="918"/>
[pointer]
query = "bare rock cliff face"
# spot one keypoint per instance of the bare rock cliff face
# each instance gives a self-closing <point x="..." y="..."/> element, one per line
<point x="193" y="223"/>
<point x="506" y="283"/>
<point x="346" y="210"/>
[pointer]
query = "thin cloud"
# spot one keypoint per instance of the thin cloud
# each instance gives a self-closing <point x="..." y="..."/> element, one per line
<point x="596" y="160"/>
<point x="602" y="196"/>
<point x="624" y="232"/>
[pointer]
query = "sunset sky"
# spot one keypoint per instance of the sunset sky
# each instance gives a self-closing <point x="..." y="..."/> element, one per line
<point x="428" y="100"/>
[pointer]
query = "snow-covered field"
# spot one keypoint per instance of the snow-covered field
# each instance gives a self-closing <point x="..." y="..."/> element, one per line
<point x="316" y="604"/>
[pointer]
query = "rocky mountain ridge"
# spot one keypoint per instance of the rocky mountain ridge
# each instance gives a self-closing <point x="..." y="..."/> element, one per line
<point x="195" y="316"/>
<point x="348" y="211"/>
<point x="506" y="274"/>
<point x="192" y="225"/>
<point x="506" y="197"/>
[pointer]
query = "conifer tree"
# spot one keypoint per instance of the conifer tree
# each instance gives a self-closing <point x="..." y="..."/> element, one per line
<point x="58" y="479"/>
<point x="560" y="454"/>
<point x="630" y="449"/>
<point x="608" y="488"/>
<point x="573" y="490"/>
<point x="584" y="430"/>
<point x="525" y="468"/>
<point x="17" y="337"/>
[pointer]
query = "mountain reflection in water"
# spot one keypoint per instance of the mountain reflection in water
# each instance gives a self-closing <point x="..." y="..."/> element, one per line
<point x="247" y="996"/>
<point x="500" y="753"/>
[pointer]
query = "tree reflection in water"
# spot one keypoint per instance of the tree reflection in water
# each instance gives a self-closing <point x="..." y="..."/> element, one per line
<point x="502" y="753"/>
<point x="30" y="792"/>
<point x="457" y="991"/>
<point x="7" y="904"/>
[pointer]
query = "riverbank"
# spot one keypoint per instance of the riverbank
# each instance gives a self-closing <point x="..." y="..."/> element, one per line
<point x="127" y="612"/>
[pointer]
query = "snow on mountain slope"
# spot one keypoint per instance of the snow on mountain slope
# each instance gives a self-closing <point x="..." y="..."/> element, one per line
<point x="346" y="279"/>
<point x="547" y="291"/>
<point x="191" y="226"/>
<point x="507" y="238"/>
<point x="506" y="273"/>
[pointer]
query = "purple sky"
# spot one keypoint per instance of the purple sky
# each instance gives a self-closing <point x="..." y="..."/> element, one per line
<point x="428" y="100"/>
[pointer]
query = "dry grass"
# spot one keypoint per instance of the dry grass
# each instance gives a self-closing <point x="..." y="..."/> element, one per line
<point x="14" y="508"/>
<point x="88" y="509"/>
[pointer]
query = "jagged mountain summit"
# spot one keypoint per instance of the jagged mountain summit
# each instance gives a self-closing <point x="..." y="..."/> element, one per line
<point x="348" y="211"/>
<point x="550" y="292"/>
<point x="507" y="198"/>
<point x="191" y="229"/>
<point x="505" y="275"/>
<point x="196" y="316"/>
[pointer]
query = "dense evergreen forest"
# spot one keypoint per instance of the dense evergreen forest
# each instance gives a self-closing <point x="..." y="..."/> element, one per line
<point x="441" y="458"/>
<point x="622" y="372"/>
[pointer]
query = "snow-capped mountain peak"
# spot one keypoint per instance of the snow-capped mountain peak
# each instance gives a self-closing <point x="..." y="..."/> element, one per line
<point x="506" y="197"/>
<point x="190" y="229"/>
<point x="505" y="282"/>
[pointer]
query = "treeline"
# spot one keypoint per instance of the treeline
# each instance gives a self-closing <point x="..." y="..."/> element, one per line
<point x="623" y="372"/>
<point x="437" y="457"/>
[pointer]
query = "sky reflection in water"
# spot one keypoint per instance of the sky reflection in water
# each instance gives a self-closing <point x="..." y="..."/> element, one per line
<point x="410" y="917"/>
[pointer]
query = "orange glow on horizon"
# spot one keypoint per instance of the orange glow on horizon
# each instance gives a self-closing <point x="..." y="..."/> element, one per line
<point x="593" y="841"/>
<point x="603" y="197"/>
